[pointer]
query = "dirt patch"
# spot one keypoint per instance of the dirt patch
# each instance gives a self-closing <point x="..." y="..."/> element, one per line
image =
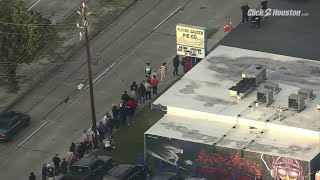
<point x="61" y="47"/>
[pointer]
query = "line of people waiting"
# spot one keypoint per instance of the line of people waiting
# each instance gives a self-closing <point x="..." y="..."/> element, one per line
<point x="122" y="114"/>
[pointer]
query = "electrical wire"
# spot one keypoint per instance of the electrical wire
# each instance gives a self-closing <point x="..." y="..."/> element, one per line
<point x="38" y="25"/>
<point x="1" y="32"/>
<point x="25" y="55"/>
<point x="8" y="155"/>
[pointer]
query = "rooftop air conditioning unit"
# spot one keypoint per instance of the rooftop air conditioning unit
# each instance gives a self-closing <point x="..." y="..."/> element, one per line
<point x="273" y="86"/>
<point x="306" y="93"/>
<point x="296" y="102"/>
<point x="256" y="72"/>
<point x="265" y="96"/>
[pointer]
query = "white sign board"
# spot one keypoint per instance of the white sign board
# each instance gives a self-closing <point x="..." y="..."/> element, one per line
<point x="190" y="51"/>
<point x="191" y="40"/>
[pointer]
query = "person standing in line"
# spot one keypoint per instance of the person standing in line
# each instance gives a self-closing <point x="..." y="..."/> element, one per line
<point x="163" y="71"/>
<point x="102" y="131"/>
<point x="32" y="176"/>
<point x="110" y="124"/>
<point x="148" y="87"/>
<point x="64" y="166"/>
<point x="56" y="162"/>
<point x="183" y="64"/>
<point x="105" y="118"/>
<point x="154" y="84"/>
<point x="115" y="114"/>
<point x="125" y="96"/>
<point x="81" y="150"/>
<point x="154" y="73"/>
<point x="134" y="86"/>
<point x="72" y="147"/>
<point x="133" y="94"/>
<point x="122" y="111"/>
<point x="176" y="63"/>
<point x="50" y="171"/>
<point x="187" y="65"/>
<point x="245" y="10"/>
<point x="141" y="93"/>
<point x="130" y="105"/>
<point x="148" y="69"/>
<point x="44" y="172"/>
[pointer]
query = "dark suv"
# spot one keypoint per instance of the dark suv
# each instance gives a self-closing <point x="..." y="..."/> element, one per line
<point x="11" y="122"/>
<point x="89" y="168"/>
<point x="128" y="172"/>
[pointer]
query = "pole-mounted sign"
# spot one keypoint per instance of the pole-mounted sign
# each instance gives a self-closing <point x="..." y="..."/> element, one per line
<point x="191" y="40"/>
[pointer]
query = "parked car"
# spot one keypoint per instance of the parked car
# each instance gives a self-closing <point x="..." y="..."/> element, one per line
<point x="128" y="172"/>
<point x="195" y="178"/>
<point x="12" y="122"/>
<point x="89" y="168"/>
<point x="167" y="177"/>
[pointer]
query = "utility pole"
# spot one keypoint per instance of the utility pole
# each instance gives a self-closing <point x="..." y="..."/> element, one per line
<point x="83" y="13"/>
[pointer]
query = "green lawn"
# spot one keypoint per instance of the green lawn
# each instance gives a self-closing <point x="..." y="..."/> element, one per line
<point x="129" y="140"/>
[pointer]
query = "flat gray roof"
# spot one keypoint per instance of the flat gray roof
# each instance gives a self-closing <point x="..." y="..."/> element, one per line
<point x="203" y="95"/>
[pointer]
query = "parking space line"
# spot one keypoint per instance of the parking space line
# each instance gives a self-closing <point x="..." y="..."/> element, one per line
<point x="34" y="4"/>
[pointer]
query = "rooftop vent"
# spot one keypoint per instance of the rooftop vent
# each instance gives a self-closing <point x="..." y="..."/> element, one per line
<point x="265" y="96"/>
<point x="306" y="93"/>
<point x="296" y="102"/>
<point x="273" y="86"/>
<point x="256" y="72"/>
<point x="242" y="88"/>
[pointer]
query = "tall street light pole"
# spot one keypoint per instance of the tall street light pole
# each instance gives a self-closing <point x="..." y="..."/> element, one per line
<point x="83" y="12"/>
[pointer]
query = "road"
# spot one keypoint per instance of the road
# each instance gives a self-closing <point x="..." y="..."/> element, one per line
<point x="58" y="10"/>
<point x="127" y="45"/>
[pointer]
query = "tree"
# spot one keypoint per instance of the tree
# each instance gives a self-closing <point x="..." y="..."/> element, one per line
<point x="21" y="35"/>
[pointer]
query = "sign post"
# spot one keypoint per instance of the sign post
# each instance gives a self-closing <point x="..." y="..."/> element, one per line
<point x="191" y="40"/>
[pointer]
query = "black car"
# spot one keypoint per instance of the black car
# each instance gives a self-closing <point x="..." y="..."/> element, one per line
<point x="89" y="168"/>
<point x="128" y="172"/>
<point x="195" y="178"/>
<point x="11" y="122"/>
<point x="167" y="177"/>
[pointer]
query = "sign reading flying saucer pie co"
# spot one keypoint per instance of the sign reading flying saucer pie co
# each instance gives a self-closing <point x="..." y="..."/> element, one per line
<point x="191" y="40"/>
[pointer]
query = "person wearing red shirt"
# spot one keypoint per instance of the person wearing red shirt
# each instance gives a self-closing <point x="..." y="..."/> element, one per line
<point x="154" y="84"/>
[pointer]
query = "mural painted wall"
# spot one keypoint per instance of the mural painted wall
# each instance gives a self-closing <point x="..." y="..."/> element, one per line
<point x="222" y="163"/>
<point x="315" y="166"/>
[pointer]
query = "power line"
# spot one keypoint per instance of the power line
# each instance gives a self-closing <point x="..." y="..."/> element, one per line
<point x="27" y="53"/>
<point x="84" y="13"/>
<point x="1" y="32"/>
<point x="40" y="25"/>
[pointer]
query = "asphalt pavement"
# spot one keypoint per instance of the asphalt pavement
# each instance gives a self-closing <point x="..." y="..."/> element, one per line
<point x="126" y="46"/>
<point x="57" y="10"/>
<point x="296" y="36"/>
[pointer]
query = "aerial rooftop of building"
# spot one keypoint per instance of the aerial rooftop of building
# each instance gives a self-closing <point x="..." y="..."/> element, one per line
<point x="201" y="108"/>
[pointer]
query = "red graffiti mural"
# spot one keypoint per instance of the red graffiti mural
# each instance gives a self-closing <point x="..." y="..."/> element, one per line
<point x="223" y="165"/>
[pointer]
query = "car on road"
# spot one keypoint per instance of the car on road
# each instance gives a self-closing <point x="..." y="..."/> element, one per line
<point x="12" y="122"/>
<point x="89" y="168"/>
<point x="195" y="178"/>
<point x="167" y="177"/>
<point x="128" y="172"/>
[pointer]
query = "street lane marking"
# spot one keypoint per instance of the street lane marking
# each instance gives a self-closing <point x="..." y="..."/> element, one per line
<point x="104" y="72"/>
<point x="32" y="134"/>
<point x="34" y="4"/>
<point x="166" y="19"/>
